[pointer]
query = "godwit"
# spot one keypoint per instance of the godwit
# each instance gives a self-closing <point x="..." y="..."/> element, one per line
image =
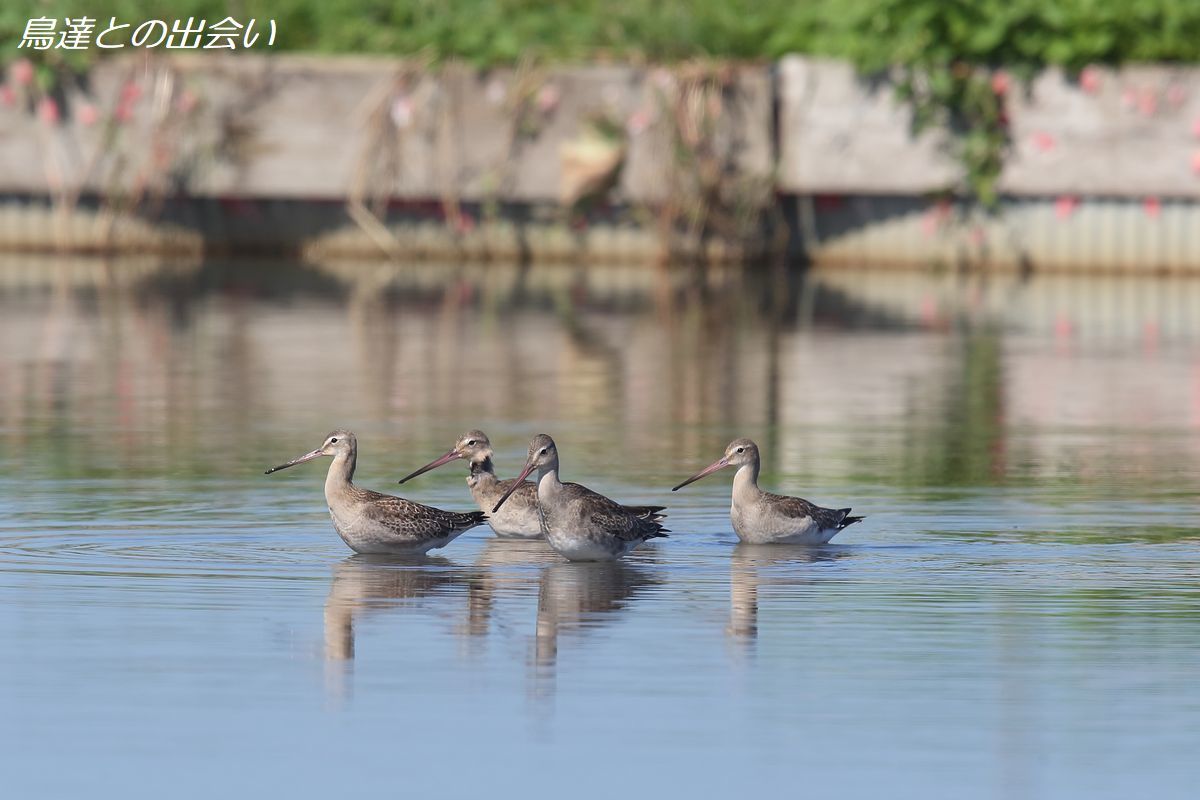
<point x="370" y="522"/>
<point x="763" y="518"/>
<point x="580" y="524"/>
<point x="519" y="516"/>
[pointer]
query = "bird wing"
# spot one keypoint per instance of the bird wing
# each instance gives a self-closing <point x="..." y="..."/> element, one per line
<point x="414" y="520"/>
<point x="602" y="513"/>
<point x="798" y="508"/>
<point x="647" y="512"/>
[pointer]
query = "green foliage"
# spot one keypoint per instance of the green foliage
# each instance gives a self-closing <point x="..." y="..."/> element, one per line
<point x="941" y="52"/>
<point x="875" y="33"/>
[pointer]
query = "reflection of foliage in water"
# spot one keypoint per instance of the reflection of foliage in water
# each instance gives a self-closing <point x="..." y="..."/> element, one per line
<point x="966" y="442"/>
<point x="203" y="373"/>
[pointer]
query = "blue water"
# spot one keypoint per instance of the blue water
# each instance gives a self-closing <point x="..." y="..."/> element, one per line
<point x="1019" y="615"/>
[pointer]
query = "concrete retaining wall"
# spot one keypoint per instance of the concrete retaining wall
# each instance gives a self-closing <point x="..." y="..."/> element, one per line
<point x="1133" y="132"/>
<point x="336" y="156"/>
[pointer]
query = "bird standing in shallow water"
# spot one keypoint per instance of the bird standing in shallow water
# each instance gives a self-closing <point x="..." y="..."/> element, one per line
<point x="518" y="517"/>
<point x="370" y="522"/>
<point x="580" y="524"/>
<point x="763" y="518"/>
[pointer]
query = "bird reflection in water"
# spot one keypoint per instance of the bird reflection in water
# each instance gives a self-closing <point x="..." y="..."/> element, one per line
<point x="753" y="566"/>
<point x="504" y="568"/>
<point x="575" y="597"/>
<point x="364" y="584"/>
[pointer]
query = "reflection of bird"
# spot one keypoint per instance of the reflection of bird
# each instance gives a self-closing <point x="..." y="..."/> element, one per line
<point x="580" y="524"/>
<point x="370" y="522"/>
<point x="763" y="518"/>
<point x="361" y="582"/>
<point x="745" y="578"/>
<point x="505" y="566"/>
<point x="576" y="596"/>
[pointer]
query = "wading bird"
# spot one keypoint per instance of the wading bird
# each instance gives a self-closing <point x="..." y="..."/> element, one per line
<point x="519" y="516"/>
<point x="582" y="525"/>
<point x="763" y="518"/>
<point x="370" y="522"/>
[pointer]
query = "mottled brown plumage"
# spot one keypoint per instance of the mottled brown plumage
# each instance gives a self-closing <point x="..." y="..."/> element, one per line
<point x="764" y="518"/>
<point x="518" y="516"/>
<point x="370" y="522"/>
<point x="580" y="524"/>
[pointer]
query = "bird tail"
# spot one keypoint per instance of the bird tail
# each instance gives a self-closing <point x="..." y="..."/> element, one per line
<point x="475" y="517"/>
<point x="656" y="532"/>
<point x="847" y="519"/>
<point x="652" y="513"/>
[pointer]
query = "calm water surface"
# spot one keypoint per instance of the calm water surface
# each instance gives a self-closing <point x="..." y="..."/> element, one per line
<point x="1019" y="616"/>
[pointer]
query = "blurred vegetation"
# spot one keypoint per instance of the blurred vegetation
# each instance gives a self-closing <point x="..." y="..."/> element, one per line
<point x="944" y="54"/>
<point x="874" y="33"/>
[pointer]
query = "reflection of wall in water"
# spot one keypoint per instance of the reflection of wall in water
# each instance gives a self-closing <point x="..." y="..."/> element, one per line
<point x="220" y="364"/>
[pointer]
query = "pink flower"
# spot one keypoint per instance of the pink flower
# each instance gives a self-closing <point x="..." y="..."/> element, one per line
<point x="187" y="101"/>
<point x="47" y="111"/>
<point x="1150" y="334"/>
<point x="1129" y="98"/>
<point x="978" y="236"/>
<point x="935" y="217"/>
<point x="1089" y="80"/>
<point x="464" y="223"/>
<point x="1153" y="207"/>
<point x="123" y="112"/>
<point x="7" y="96"/>
<point x="402" y="111"/>
<point x="1065" y="206"/>
<point x="929" y="311"/>
<point x="87" y="114"/>
<point x="1147" y="103"/>
<point x="548" y="98"/>
<point x="22" y="71"/>
<point x="1043" y="141"/>
<point x="638" y="121"/>
<point x="1196" y="162"/>
<point x="1196" y="127"/>
<point x="1000" y="82"/>
<point x="130" y="92"/>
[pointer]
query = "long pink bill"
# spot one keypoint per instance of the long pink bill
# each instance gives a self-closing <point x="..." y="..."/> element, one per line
<point x="721" y="463"/>
<point x="446" y="459"/>
<point x="295" y="461"/>
<point x="516" y="484"/>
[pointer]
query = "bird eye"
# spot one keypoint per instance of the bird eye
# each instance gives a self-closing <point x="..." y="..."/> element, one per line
<point x="333" y="440"/>
<point x="543" y="452"/>
<point x="471" y="443"/>
<point x="741" y="449"/>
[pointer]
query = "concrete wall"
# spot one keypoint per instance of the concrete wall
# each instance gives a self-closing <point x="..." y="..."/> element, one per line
<point x="1133" y="132"/>
<point x="337" y="156"/>
<point x="287" y="127"/>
